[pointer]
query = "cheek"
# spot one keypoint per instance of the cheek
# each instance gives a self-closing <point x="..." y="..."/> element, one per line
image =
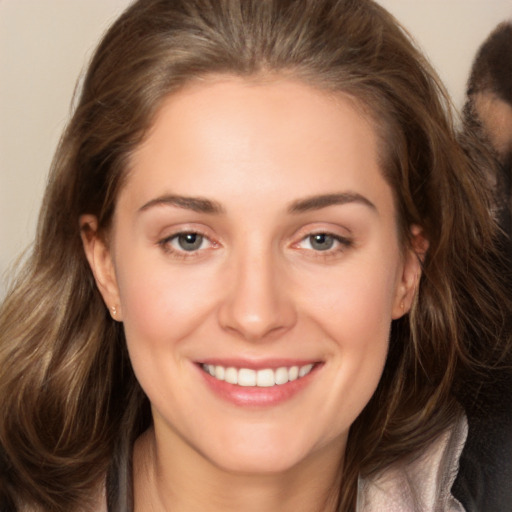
<point x="355" y="312"/>
<point x="355" y="305"/>
<point x="161" y="307"/>
<point x="163" y="302"/>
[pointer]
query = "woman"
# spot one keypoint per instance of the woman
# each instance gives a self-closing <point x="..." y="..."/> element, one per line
<point x="261" y="263"/>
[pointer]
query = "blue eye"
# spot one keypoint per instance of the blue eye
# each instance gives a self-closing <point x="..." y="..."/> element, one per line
<point x="321" y="241"/>
<point x="324" y="242"/>
<point x="188" y="241"/>
<point x="185" y="242"/>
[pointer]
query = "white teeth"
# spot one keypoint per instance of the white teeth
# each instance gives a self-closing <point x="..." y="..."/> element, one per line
<point x="231" y="375"/>
<point x="265" y="378"/>
<point x="281" y="376"/>
<point x="220" y="371"/>
<point x="261" y="378"/>
<point x="246" y="377"/>
<point x="304" y="370"/>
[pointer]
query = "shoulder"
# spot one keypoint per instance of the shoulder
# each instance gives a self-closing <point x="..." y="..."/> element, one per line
<point x="484" y="480"/>
<point x="422" y="483"/>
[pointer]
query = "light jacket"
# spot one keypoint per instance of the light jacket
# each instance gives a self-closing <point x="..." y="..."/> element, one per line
<point x="421" y="484"/>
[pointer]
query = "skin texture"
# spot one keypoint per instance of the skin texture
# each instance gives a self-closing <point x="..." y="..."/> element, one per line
<point x="256" y="291"/>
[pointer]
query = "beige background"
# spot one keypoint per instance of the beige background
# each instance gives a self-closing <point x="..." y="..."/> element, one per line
<point x="45" y="44"/>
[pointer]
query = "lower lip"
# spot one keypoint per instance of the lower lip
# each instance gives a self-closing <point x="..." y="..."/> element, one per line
<point x="253" y="396"/>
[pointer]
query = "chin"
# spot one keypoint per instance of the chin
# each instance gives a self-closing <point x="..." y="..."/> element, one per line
<point x="264" y="454"/>
<point x="258" y="464"/>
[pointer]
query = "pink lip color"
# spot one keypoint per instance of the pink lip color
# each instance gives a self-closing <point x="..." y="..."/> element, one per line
<point x="257" y="396"/>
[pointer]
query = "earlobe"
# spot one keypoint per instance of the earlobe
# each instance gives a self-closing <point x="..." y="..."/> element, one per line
<point x="100" y="260"/>
<point x="411" y="272"/>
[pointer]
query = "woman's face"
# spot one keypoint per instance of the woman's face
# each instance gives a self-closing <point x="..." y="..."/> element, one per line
<point x="255" y="263"/>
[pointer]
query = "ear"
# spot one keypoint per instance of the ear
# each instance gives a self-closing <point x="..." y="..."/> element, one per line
<point x="100" y="260"/>
<point x="411" y="272"/>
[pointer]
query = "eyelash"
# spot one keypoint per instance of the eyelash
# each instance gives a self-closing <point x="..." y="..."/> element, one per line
<point x="340" y="244"/>
<point x="166" y="244"/>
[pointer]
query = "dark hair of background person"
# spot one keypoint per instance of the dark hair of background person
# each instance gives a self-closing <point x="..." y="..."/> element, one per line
<point x="71" y="406"/>
<point x="491" y="67"/>
<point x="488" y="112"/>
<point x="484" y="481"/>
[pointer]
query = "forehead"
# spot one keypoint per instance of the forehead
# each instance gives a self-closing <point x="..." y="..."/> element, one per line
<point x="257" y="136"/>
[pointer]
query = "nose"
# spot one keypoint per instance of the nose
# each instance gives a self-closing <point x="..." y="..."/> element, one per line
<point x="258" y="304"/>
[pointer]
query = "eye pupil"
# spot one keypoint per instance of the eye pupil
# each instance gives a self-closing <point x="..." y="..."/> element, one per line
<point x="321" y="241"/>
<point x="190" y="241"/>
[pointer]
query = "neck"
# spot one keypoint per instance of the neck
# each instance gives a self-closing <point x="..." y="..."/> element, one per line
<point x="185" y="482"/>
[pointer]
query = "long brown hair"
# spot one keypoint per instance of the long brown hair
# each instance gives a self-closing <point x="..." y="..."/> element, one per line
<point x="71" y="407"/>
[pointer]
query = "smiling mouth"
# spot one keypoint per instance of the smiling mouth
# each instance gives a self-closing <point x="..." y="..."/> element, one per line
<point x="264" y="378"/>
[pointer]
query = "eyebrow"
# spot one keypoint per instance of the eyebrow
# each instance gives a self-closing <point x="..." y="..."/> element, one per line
<point x="203" y="205"/>
<point x="196" y="204"/>
<point x="323" y="201"/>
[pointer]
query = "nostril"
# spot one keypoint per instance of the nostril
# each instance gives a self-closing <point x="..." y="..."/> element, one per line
<point x="256" y="304"/>
<point x="255" y="326"/>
